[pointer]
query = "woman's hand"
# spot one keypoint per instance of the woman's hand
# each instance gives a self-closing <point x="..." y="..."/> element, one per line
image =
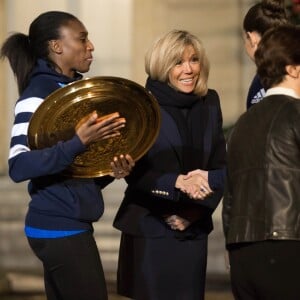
<point x="202" y="173"/>
<point x="197" y="187"/>
<point x="91" y="128"/>
<point x="177" y="223"/>
<point x="194" y="185"/>
<point x="122" y="166"/>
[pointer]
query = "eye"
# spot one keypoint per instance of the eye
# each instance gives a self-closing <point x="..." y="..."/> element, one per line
<point x="84" y="39"/>
<point x="178" y="63"/>
<point x="195" y="59"/>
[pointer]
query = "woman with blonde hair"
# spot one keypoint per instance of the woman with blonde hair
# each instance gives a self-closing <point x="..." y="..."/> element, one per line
<point x="165" y="217"/>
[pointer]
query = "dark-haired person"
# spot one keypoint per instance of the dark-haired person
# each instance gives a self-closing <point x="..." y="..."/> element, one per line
<point x="166" y="214"/>
<point x="261" y="208"/>
<point x="260" y="17"/>
<point x="61" y="211"/>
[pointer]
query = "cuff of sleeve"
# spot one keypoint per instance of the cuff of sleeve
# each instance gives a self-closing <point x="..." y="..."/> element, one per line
<point x="166" y="187"/>
<point x="216" y="179"/>
<point x="74" y="146"/>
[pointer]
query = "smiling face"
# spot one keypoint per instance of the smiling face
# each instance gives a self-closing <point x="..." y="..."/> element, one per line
<point x="185" y="74"/>
<point x="73" y="49"/>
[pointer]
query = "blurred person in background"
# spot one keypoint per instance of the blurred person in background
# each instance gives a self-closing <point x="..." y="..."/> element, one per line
<point x="260" y="18"/>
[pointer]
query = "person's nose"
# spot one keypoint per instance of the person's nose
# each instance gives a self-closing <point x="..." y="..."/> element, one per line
<point x="90" y="46"/>
<point x="187" y="67"/>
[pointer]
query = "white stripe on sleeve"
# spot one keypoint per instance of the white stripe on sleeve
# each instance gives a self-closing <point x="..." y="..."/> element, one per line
<point x="17" y="149"/>
<point x="19" y="129"/>
<point x="28" y="105"/>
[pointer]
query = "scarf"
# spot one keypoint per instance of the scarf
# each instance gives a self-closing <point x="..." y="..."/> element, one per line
<point x="189" y="113"/>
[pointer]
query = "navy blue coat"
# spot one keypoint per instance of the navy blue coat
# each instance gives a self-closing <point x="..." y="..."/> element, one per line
<point x="151" y="191"/>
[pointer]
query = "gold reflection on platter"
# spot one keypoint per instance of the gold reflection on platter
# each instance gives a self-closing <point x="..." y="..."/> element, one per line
<point x="56" y="118"/>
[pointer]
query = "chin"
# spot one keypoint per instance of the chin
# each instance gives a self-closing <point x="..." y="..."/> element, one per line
<point x="186" y="90"/>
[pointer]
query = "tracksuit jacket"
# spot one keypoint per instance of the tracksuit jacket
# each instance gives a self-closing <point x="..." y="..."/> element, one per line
<point x="58" y="203"/>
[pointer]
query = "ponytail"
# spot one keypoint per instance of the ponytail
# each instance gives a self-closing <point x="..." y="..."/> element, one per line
<point x="16" y="49"/>
<point x="22" y="51"/>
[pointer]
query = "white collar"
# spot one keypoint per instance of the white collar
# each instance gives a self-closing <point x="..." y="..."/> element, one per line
<point x="282" y="91"/>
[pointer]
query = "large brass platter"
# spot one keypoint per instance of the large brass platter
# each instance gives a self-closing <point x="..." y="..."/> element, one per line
<point x="56" y="117"/>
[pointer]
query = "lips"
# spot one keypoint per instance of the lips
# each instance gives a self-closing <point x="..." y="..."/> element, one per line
<point x="187" y="81"/>
<point x="90" y="58"/>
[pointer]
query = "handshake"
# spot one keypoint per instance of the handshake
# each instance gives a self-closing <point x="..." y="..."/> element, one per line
<point x="194" y="184"/>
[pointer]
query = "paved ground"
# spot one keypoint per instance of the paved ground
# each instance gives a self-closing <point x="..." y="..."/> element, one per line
<point x="213" y="293"/>
<point x="17" y="286"/>
<point x="209" y="296"/>
<point x="217" y="289"/>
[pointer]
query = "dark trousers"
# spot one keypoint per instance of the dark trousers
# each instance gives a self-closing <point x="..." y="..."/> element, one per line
<point x="267" y="270"/>
<point x="72" y="267"/>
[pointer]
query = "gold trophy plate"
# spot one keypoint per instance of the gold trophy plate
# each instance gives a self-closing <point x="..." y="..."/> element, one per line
<point x="56" y="118"/>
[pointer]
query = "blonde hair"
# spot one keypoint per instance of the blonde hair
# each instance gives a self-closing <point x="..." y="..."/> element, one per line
<point x="167" y="51"/>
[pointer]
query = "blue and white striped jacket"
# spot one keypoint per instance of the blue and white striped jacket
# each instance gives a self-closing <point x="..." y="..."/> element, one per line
<point x="57" y="202"/>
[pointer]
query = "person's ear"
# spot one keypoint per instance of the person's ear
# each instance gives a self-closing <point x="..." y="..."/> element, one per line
<point x="55" y="46"/>
<point x="254" y="38"/>
<point x="293" y="71"/>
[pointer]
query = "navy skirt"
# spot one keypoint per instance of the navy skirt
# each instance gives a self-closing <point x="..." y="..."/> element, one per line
<point x="162" y="268"/>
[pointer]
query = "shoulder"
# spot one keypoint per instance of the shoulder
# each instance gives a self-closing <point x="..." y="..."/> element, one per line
<point x="212" y="93"/>
<point x="212" y="99"/>
<point x="292" y="107"/>
<point x="256" y="92"/>
<point x="256" y="82"/>
<point x="212" y="96"/>
<point x="40" y="87"/>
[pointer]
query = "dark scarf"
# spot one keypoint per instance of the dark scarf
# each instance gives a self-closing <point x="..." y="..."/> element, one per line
<point x="189" y="112"/>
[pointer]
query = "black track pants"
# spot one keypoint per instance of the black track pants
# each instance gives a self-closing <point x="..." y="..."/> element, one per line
<point x="72" y="267"/>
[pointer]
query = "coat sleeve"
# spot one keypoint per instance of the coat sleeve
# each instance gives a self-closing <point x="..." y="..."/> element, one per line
<point x="226" y="208"/>
<point x="217" y="159"/>
<point x="151" y="181"/>
<point x="227" y="199"/>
